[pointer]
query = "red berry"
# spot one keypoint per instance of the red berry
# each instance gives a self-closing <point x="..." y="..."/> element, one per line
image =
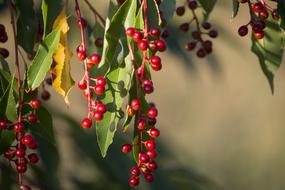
<point x="152" y="165"/>
<point x="101" y="107"/>
<point x="33" y="145"/>
<point x="143" y="45"/>
<point x="35" y="103"/>
<point x="18" y="127"/>
<point x="148" y="177"/>
<point x="98" y="115"/>
<point x="165" y="34"/>
<point x="135" y="171"/>
<point x="25" y="187"/>
<point x="45" y="95"/>
<point x="152" y="45"/>
<point x="130" y="112"/>
<point x="243" y="30"/>
<point x="151" y="121"/>
<point x="213" y="33"/>
<point x="134" y="181"/>
<point x="126" y="148"/>
<point x="99" y="89"/>
<point x="86" y="123"/>
<point x="3" y="38"/>
<point x="32" y="118"/>
<point x="150" y="145"/>
<point x="22" y="168"/>
<point x="201" y="53"/>
<point x="136" y="104"/>
<point x="130" y="31"/>
<point x="86" y="94"/>
<point x="27" y="139"/>
<point x="155" y="32"/>
<point x="81" y="23"/>
<point x="82" y="85"/>
<point x="95" y="58"/>
<point x="154" y="132"/>
<point x="258" y="35"/>
<point x="192" y="4"/>
<point x="161" y="45"/>
<point x="152" y="112"/>
<point x="275" y="15"/>
<point x="138" y="36"/>
<point x="263" y="14"/>
<point x="3" y="124"/>
<point x="143" y="158"/>
<point x="9" y="154"/>
<point x="20" y="153"/>
<point x="99" y="42"/>
<point x="33" y="158"/>
<point x="148" y="89"/>
<point x="206" y="25"/>
<point x="257" y="7"/>
<point x="81" y="55"/>
<point x="152" y="154"/>
<point x="155" y="60"/>
<point x="4" y="52"/>
<point x="101" y="81"/>
<point x="141" y="124"/>
<point x="180" y="10"/>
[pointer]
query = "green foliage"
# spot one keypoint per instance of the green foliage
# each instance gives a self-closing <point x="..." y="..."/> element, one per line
<point x="235" y="8"/>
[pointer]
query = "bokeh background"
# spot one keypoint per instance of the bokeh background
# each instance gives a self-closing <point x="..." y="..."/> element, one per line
<point x="221" y="128"/>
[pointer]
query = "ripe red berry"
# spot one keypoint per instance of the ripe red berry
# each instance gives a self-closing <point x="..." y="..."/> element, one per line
<point x="155" y="32"/>
<point x="86" y="123"/>
<point x="33" y="158"/>
<point x="3" y="124"/>
<point x="81" y="23"/>
<point x="101" y="81"/>
<point x="95" y="58"/>
<point x="101" y="107"/>
<point x="192" y="4"/>
<point x="27" y="139"/>
<point x="135" y="171"/>
<point x="25" y="187"/>
<point x="201" y="53"/>
<point x="275" y="15"/>
<point x="136" y="104"/>
<point x="257" y="7"/>
<point x="98" y="115"/>
<point x="99" y="89"/>
<point x="99" y="42"/>
<point x="161" y="45"/>
<point x="134" y="181"/>
<point x="148" y="88"/>
<point x="130" y="31"/>
<point x="206" y="25"/>
<point x="126" y="148"/>
<point x="152" y="154"/>
<point x="263" y="14"/>
<point x="156" y="67"/>
<point x="154" y="132"/>
<point x="22" y="168"/>
<point x="180" y="10"/>
<point x="9" y="154"/>
<point x="18" y="127"/>
<point x="33" y="145"/>
<point x="191" y="45"/>
<point x="213" y="33"/>
<point x="20" y="153"/>
<point x="152" y="112"/>
<point x="141" y="124"/>
<point x="148" y="177"/>
<point x="143" y="158"/>
<point x="243" y="30"/>
<point x="184" y="27"/>
<point x="152" y="165"/>
<point x="45" y="95"/>
<point x="155" y="60"/>
<point x="258" y="35"/>
<point x="81" y="55"/>
<point x="152" y="45"/>
<point x="165" y="34"/>
<point x="151" y="121"/>
<point x="35" y="103"/>
<point x="82" y="85"/>
<point x="150" y="145"/>
<point x="138" y="36"/>
<point x="143" y="45"/>
<point x="3" y="38"/>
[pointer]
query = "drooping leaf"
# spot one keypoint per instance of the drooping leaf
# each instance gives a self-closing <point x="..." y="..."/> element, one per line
<point x="63" y="81"/>
<point x="207" y="5"/>
<point x="235" y="8"/>
<point x="168" y="8"/>
<point x="269" y="50"/>
<point x="26" y="24"/>
<point x="118" y="76"/>
<point x="153" y="14"/>
<point x="281" y="13"/>
<point x="43" y="59"/>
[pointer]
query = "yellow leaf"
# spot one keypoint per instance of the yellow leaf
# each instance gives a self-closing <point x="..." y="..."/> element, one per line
<point x="63" y="81"/>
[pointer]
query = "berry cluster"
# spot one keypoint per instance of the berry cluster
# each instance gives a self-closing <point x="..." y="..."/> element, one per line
<point x="21" y="153"/>
<point x="87" y="83"/>
<point x="3" y="39"/>
<point x="200" y="30"/>
<point x="259" y="12"/>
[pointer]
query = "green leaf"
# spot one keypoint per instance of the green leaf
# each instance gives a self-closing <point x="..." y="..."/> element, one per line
<point x="118" y="75"/>
<point x="168" y="8"/>
<point x="4" y="64"/>
<point x="6" y="79"/>
<point x="269" y="50"/>
<point x="235" y="8"/>
<point x="6" y="139"/>
<point x="43" y="59"/>
<point x="153" y="15"/>
<point x="26" y="24"/>
<point x="281" y="12"/>
<point x="207" y="5"/>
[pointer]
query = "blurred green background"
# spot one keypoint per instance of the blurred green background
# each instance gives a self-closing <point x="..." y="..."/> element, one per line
<point x="221" y="128"/>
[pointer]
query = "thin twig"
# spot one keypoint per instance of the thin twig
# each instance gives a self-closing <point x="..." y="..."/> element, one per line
<point x="96" y="13"/>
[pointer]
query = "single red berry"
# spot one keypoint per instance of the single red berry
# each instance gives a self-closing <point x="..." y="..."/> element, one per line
<point x="258" y="35"/>
<point x="82" y="85"/>
<point x="98" y="115"/>
<point x="81" y="55"/>
<point x="184" y="27"/>
<point x="207" y="46"/>
<point x="134" y="181"/>
<point x="156" y="67"/>
<point x="213" y="33"/>
<point x="27" y="139"/>
<point x="257" y="7"/>
<point x="21" y="146"/>
<point x="275" y="15"/>
<point x="33" y="145"/>
<point x="136" y="104"/>
<point x="143" y="158"/>
<point x="146" y="82"/>
<point x="155" y="32"/>
<point x="126" y="148"/>
<point x="86" y="94"/>
<point x="86" y="123"/>
<point x="138" y="36"/>
<point x="101" y="81"/>
<point x="3" y="124"/>
<point x="143" y="45"/>
<point x="20" y="153"/>
<point x="191" y="45"/>
<point x="152" y="112"/>
<point x="35" y="103"/>
<point x="155" y="60"/>
<point x="263" y="14"/>
<point x="161" y="45"/>
<point x="4" y="52"/>
<point x="152" y="165"/>
<point x="81" y="23"/>
<point x="201" y="53"/>
<point x="180" y="10"/>
<point x="130" y="31"/>
<point x="131" y="112"/>
<point x="18" y="127"/>
<point x="101" y="107"/>
<point x="135" y="171"/>
<point x="206" y="25"/>
<point x="9" y="154"/>
<point x="148" y="89"/>
<point x="25" y="187"/>
<point x="152" y="45"/>
<point x="141" y="124"/>
<point x="45" y="95"/>
<point x="148" y="177"/>
<point x="151" y="121"/>
<point x="150" y="145"/>
<point x="154" y="132"/>
<point x="152" y="154"/>
<point x="165" y="34"/>
<point x="99" y="89"/>
<point x="99" y="42"/>
<point x="243" y="30"/>
<point x="95" y="58"/>
<point x="33" y="158"/>
<point x="49" y="81"/>
<point x="192" y="4"/>
<point x="22" y="168"/>
<point x="3" y="38"/>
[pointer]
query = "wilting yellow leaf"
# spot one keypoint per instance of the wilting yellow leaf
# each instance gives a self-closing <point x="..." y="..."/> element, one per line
<point x="63" y="81"/>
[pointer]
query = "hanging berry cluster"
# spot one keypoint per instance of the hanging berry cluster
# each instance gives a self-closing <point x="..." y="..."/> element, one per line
<point x="95" y="107"/>
<point x="147" y="42"/>
<point x="259" y="13"/>
<point x="206" y="46"/>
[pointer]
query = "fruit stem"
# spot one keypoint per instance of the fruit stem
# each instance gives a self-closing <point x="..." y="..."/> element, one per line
<point x="95" y="12"/>
<point x="146" y="36"/>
